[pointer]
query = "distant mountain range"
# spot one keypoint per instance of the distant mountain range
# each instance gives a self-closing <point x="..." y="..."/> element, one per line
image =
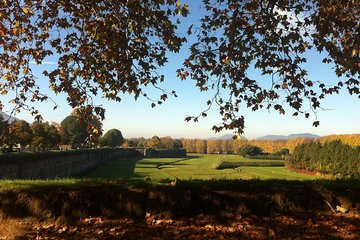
<point x="283" y="137"/>
<point x="269" y="137"/>
<point x="226" y="137"/>
<point x="7" y="117"/>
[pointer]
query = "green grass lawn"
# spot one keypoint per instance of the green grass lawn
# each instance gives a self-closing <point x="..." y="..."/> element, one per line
<point x="193" y="167"/>
<point x="196" y="166"/>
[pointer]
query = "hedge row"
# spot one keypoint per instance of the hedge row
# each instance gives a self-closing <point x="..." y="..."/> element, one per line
<point x="266" y="157"/>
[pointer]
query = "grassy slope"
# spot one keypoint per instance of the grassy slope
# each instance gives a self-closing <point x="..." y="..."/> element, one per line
<point x="194" y="167"/>
<point x="241" y="203"/>
<point x="202" y="167"/>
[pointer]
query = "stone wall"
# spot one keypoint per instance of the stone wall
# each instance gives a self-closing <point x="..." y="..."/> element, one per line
<point x="61" y="164"/>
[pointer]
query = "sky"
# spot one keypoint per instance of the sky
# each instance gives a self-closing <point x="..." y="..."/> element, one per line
<point x="139" y="119"/>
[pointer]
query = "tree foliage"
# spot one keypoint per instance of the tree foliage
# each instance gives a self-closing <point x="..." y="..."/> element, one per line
<point x="350" y="139"/>
<point x="38" y="134"/>
<point x="4" y="133"/>
<point x="107" y="47"/>
<point x="114" y="47"/>
<point x="272" y="37"/>
<point x="250" y="150"/>
<point x="135" y="143"/>
<point x="112" y="138"/>
<point x="201" y="146"/>
<point x="19" y="133"/>
<point x="73" y="132"/>
<point x="234" y="146"/>
<point x="155" y="142"/>
<point x="332" y="157"/>
<point x="81" y="128"/>
<point x="45" y="135"/>
<point x="283" y="152"/>
<point x="170" y="143"/>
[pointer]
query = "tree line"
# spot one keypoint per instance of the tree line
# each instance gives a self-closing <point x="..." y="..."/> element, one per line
<point x="234" y="146"/>
<point x="72" y="132"/>
<point x="20" y="132"/>
<point x="333" y="157"/>
<point x="231" y="146"/>
<point x="153" y="142"/>
<point x="41" y="135"/>
<point x="351" y="139"/>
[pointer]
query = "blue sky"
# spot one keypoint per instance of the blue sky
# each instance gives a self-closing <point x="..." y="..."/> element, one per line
<point x="137" y="118"/>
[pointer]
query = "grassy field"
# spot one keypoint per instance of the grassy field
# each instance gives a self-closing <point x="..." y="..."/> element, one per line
<point x="197" y="166"/>
<point x="157" y="170"/>
<point x="213" y="188"/>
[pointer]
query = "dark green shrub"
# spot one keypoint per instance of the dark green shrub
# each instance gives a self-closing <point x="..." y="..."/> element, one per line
<point x="250" y="150"/>
<point x="282" y="152"/>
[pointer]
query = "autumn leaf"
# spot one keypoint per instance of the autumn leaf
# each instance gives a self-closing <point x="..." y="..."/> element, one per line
<point x="113" y="51"/>
<point x="316" y="123"/>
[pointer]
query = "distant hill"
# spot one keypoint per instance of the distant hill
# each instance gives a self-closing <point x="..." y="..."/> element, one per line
<point x="283" y="137"/>
<point x="226" y="137"/>
<point x="303" y="135"/>
<point x="8" y="117"/>
<point x="273" y="137"/>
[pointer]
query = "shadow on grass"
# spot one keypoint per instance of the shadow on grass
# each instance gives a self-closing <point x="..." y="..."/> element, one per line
<point x="177" y="162"/>
<point x="119" y="168"/>
<point x="158" y="164"/>
<point x="217" y="198"/>
<point x="125" y="168"/>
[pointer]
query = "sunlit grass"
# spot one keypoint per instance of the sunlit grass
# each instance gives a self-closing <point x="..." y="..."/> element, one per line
<point x="196" y="167"/>
<point x="30" y="183"/>
<point x="160" y="170"/>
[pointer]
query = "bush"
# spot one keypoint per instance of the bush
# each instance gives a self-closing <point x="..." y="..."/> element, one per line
<point x="250" y="150"/>
<point x="266" y="157"/>
<point x="282" y="152"/>
<point x="112" y="138"/>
